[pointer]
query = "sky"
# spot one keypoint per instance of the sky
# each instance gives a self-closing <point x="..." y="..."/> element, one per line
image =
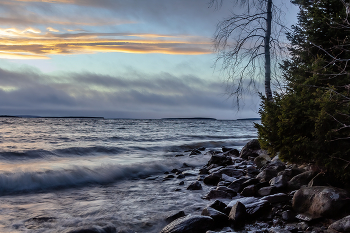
<point x="115" y="58"/>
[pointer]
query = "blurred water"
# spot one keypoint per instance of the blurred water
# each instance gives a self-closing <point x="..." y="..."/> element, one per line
<point x="83" y="172"/>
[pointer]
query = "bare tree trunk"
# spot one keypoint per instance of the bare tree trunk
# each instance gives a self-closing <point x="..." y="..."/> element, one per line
<point x="268" y="91"/>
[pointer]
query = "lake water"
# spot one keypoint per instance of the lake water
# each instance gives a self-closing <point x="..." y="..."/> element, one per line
<point x="59" y="174"/>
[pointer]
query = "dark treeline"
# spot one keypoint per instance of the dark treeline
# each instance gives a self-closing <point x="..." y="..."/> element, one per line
<point x="309" y="122"/>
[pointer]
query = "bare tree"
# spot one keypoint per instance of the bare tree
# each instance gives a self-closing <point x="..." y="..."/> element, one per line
<point x="246" y="44"/>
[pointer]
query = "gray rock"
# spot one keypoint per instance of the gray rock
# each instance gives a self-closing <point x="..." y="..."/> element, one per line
<point x="288" y="215"/>
<point x="190" y="173"/>
<point x="258" y="208"/>
<point x="218" y="194"/>
<point x="280" y="182"/>
<point x="212" y="179"/>
<point x="236" y="173"/>
<point x="182" y="183"/>
<point x="238" y="214"/>
<point x="220" y="219"/>
<point x="320" y="201"/>
<point x="175" y="216"/>
<point x="262" y="160"/>
<point x="237" y="184"/>
<point x="195" y="152"/>
<point x="302" y="179"/>
<point x="342" y="225"/>
<point x="276" y="198"/>
<point x="189" y="224"/>
<point x="244" y="201"/>
<point x="181" y="176"/>
<point x="278" y="230"/>
<point x="249" y="191"/>
<point x="250" y="149"/>
<point x="266" y="191"/>
<point x="218" y="205"/>
<point x="220" y="160"/>
<point x="228" y="190"/>
<point x="195" y="186"/>
<point x="267" y="174"/>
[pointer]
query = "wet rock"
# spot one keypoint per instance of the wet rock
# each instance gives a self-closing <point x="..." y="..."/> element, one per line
<point x="266" y="191"/>
<point x="257" y="209"/>
<point x="262" y="160"/>
<point x="218" y="194"/>
<point x="252" y="171"/>
<point x="250" y="182"/>
<point x="228" y="178"/>
<point x="237" y="184"/>
<point x="95" y="229"/>
<point x="203" y="171"/>
<point x="238" y="214"/>
<point x="276" y="198"/>
<point x="249" y="191"/>
<point x="236" y="173"/>
<point x="342" y="225"/>
<point x="195" y="186"/>
<point x="220" y="160"/>
<point x="190" y="173"/>
<point x="189" y="224"/>
<point x="288" y="215"/>
<point x="224" y="183"/>
<point x="228" y="190"/>
<point x="182" y="183"/>
<point x="218" y="205"/>
<point x="243" y="200"/>
<point x="175" y="216"/>
<point x="320" y="201"/>
<point x="220" y="219"/>
<point x="181" y="176"/>
<point x="232" y="152"/>
<point x="267" y="174"/>
<point x="201" y="149"/>
<point x="175" y="170"/>
<point x="278" y="230"/>
<point x="195" y="152"/>
<point x="179" y="155"/>
<point x="302" y="179"/>
<point x="201" y="177"/>
<point x="277" y="165"/>
<point x="225" y="149"/>
<point x="168" y="177"/>
<point x="212" y="179"/>
<point x="280" y="182"/>
<point x="250" y="149"/>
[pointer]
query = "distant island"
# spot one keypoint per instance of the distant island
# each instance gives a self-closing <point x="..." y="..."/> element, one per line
<point x="30" y="116"/>
<point x="190" y="118"/>
<point x="248" y="119"/>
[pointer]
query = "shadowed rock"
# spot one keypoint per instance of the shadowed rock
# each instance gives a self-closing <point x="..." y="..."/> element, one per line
<point x="189" y="224"/>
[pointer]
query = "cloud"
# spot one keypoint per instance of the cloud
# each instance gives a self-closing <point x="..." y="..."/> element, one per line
<point x="164" y="93"/>
<point x="31" y="43"/>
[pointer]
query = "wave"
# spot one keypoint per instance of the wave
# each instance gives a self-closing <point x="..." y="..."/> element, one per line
<point x="70" y="151"/>
<point x="31" y="181"/>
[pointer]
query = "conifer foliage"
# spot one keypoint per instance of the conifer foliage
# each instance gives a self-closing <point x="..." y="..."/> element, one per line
<point x="310" y="121"/>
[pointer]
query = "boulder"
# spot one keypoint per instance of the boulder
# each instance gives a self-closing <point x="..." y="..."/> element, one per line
<point x="220" y="160"/>
<point x="320" y="201"/>
<point x="232" y="152"/>
<point x="218" y="194"/>
<point x="236" y="173"/>
<point x="280" y="182"/>
<point x="218" y="205"/>
<point x="189" y="224"/>
<point x="257" y="209"/>
<point x="249" y="191"/>
<point x="250" y="149"/>
<point x="212" y="179"/>
<point x="237" y="184"/>
<point x="276" y="198"/>
<point x="238" y="214"/>
<point x="195" y="152"/>
<point x="228" y="190"/>
<point x="342" y="225"/>
<point x="220" y="219"/>
<point x="302" y="179"/>
<point x="195" y="186"/>
<point x="262" y="160"/>
<point x="266" y="191"/>
<point x="267" y="174"/>
<point x="175" y="216"/>
<point x="277" y="165"/>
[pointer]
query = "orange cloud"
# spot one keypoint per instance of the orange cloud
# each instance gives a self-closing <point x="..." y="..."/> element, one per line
<point x="30" y="43"/>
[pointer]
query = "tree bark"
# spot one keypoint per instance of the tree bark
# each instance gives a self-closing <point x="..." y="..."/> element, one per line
<point x="268" y="91"/>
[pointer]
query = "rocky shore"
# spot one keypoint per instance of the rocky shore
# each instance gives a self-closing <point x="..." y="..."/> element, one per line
<point x="248" y="191"/>
<point x="253" y="193"/>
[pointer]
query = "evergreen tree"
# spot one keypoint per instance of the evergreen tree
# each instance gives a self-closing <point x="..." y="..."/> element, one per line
<point x="307" y="122"/>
